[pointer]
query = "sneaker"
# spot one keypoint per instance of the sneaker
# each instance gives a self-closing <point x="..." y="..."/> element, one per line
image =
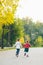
<point x="27" y="56"/>
<point x="16" y="55"/>
<point x="24" y="54"/>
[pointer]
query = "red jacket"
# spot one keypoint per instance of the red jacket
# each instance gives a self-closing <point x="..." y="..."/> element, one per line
<point x="27" y="45"/>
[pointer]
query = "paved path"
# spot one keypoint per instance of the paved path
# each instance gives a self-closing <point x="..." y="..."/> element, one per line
<point x="9" y="58"/>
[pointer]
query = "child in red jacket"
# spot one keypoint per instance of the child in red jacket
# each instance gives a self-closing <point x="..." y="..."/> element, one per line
<point x="26" y="48"/>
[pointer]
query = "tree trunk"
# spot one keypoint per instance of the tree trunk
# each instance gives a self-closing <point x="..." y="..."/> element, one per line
<point x="2" y="45"/>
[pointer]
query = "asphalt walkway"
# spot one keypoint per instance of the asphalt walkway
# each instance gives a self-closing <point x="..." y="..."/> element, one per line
<point x="9" y="58"/>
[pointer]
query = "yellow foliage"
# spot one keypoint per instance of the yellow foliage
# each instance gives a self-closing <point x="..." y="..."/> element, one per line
<point x="39" y="39"/>
<point x="22" y="40"/>
<point x="7" y="11"/>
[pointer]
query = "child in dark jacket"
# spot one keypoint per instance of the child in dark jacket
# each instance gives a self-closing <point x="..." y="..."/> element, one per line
<point x="26" y="48"/>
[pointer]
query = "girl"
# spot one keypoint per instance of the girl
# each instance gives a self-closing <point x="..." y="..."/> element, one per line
<point x="18" y="46"/>
<point x="26" y="48"/>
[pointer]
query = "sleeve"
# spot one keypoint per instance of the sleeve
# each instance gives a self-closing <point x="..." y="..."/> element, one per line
<point x="29" y="45"/>
<point x="20" y="45"/>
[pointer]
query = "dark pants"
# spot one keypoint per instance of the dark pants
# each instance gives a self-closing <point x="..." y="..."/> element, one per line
<point x="17" y="52"/>
<point x="26" y="49"/>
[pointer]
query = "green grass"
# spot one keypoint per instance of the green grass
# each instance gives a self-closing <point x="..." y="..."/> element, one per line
<point x="11" y="48"/>
<point x="6" y="48"/>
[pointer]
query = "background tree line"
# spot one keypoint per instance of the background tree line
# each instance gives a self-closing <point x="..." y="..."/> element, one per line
<point x="33" y="31"/>
<point x="23" y="28"/>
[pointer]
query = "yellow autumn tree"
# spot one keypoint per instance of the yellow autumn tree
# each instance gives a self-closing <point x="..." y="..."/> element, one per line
<point x="7" y="11"/>
<point x="22" y="40"/>
<point x="39" y="41"/>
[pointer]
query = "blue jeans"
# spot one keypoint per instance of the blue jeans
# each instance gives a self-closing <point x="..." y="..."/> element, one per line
<point x="17" y="52"/>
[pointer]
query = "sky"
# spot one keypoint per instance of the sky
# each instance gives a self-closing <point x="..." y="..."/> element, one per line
<point x="30" y="8"/>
